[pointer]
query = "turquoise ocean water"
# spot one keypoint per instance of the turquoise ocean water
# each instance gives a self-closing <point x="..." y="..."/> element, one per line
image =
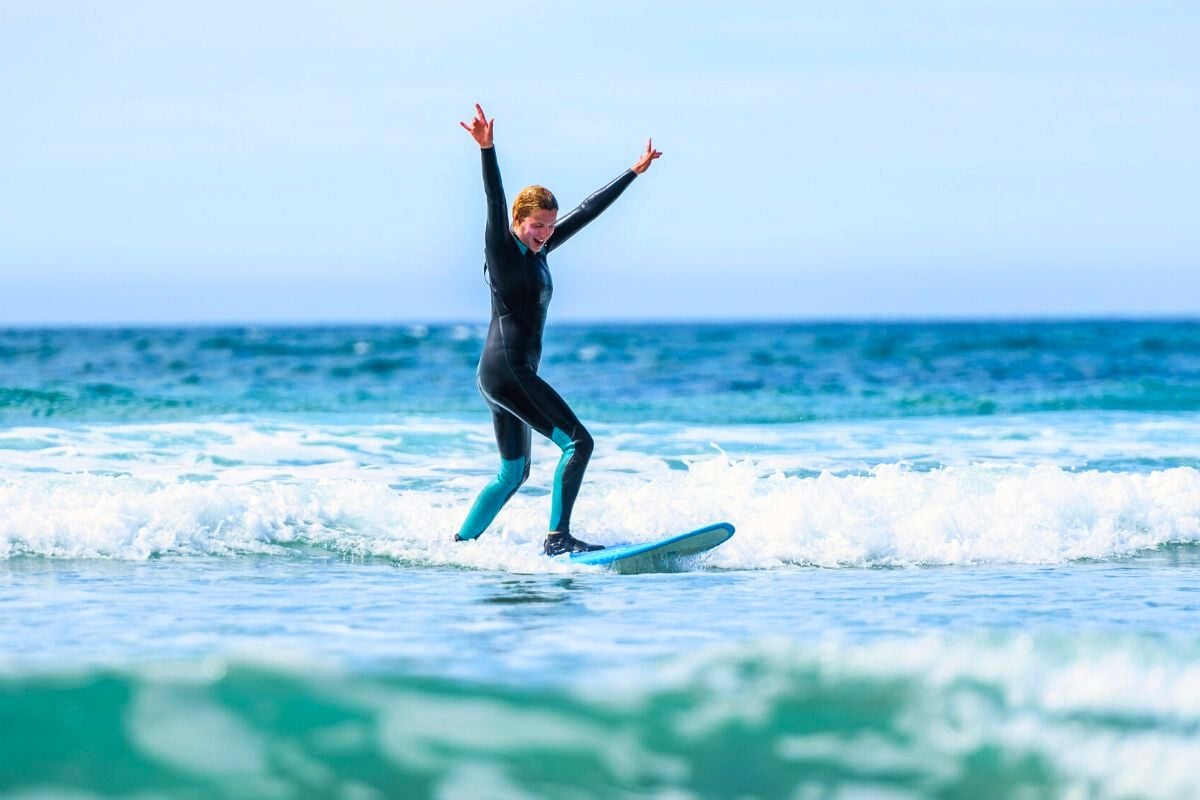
<point x="967" y="565"/>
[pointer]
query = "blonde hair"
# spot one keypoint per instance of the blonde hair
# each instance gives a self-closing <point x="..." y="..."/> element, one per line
<point x="531" y="199"/>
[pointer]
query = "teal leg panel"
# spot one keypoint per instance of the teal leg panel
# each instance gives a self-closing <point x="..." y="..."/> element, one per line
<point x="493" y="497"/>
<point x="568" y="447"/>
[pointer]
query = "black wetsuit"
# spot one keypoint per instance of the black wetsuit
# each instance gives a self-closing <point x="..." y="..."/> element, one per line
<point x="507" y="375"/>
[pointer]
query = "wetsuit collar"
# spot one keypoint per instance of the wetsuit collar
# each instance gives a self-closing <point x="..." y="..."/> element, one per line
<point x="520" y="244"/>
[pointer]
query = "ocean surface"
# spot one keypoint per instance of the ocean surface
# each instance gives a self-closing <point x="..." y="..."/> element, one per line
<point x="967" y="565"/>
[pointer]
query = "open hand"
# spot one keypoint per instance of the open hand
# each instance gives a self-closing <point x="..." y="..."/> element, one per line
<point x="480" y="128"/>
<point x="643" y="163"/>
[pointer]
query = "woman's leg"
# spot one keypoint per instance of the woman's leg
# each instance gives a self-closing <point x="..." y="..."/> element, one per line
<point x="538" y="405"/>
<point x="512" y="437"/>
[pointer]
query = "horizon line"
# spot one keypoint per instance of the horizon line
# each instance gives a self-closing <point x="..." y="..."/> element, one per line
<point x="902" y="319"/>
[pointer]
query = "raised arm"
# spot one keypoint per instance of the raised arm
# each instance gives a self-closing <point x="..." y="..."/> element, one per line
<point x="497" y="207"/>
<point x="573" y="221"/>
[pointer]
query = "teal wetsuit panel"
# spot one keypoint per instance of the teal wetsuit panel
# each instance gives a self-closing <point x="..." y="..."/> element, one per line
<point x="493" y="497"/>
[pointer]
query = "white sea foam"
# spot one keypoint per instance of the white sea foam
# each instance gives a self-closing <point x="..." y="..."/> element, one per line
<point x="892" y="515"/>
<point x="871" y="493"/>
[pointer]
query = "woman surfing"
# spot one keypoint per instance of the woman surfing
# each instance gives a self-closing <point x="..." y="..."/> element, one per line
<point x="516" y="270"/>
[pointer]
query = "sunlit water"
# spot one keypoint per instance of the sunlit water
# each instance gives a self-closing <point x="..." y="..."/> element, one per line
<point x="966" y="565"/>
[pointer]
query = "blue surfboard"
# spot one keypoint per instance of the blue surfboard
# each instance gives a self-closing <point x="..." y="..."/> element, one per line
<point x="662" y="555"/>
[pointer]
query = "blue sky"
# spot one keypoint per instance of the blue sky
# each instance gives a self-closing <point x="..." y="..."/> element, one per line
<point x="302" y="162"/>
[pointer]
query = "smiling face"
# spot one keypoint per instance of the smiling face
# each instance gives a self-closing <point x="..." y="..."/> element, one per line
<point x="536" y="228"/>
<point x="534" y="213"/>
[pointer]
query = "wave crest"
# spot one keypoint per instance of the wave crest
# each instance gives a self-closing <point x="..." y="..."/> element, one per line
<point x="892" y="516"/>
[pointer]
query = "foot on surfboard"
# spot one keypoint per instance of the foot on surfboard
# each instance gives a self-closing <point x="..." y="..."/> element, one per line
<point x="559" y="543"/>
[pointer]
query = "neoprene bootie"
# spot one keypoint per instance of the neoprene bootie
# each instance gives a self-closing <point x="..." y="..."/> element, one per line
<point x="559" y="543"/>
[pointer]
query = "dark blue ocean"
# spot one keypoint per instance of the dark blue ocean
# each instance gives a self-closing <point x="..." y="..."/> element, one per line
<point x="966" y="565"/>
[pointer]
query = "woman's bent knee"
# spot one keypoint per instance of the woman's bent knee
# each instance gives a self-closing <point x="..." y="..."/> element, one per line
<point x="583" y="443"/>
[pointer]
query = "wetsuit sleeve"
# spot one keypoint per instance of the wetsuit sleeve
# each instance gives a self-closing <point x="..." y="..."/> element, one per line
<point x="571" y="223"/>
<point x="496" y="234"/>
